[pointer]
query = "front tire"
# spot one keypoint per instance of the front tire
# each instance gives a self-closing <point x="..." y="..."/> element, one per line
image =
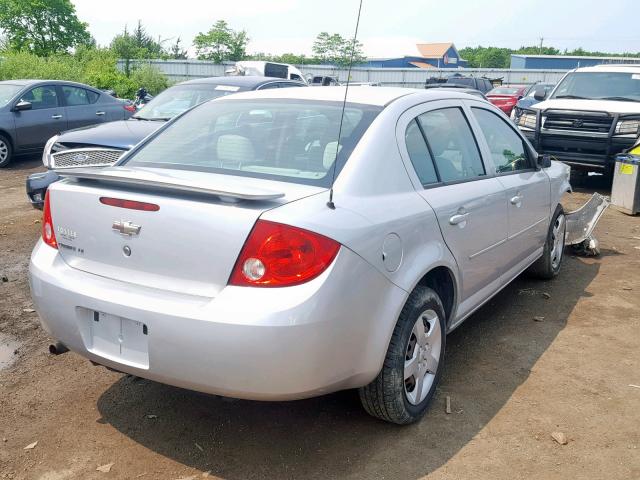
<point x="5" y="151"/>
<point x="413" y="365"/>
<point x="548" y="266"/>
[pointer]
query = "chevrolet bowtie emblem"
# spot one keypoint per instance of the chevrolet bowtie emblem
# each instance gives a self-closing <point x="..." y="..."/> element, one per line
<point x="126" y="228"/>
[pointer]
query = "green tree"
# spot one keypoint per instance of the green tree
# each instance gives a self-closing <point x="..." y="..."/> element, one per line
<point x="176" y="52"/>
<point x="221" y="43"/>
<point x="137" y="45"/>
<point x="42" y="27"/>
<point x="334" y="49"/>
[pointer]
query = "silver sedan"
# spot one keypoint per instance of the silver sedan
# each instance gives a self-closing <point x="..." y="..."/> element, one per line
<point x="280" y="244"/>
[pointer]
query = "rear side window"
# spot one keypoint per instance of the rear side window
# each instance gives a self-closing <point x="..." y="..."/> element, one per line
<point x="75" y="96"/>
<point x="452" y="145"/>
<point x="419" y="154"/>
<point x="93" y="96"/>
<point x="287" y="140"/>
<point x="508" y="152"/>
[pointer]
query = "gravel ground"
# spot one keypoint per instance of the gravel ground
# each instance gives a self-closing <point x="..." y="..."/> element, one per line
<point x="513" y="380"/>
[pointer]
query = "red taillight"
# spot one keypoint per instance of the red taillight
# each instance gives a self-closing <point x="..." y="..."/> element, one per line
<point x="277" y="255"/>
<point x="130" y="204"/>
<point x="130" y="108"/>
<point x="48" y="234"/>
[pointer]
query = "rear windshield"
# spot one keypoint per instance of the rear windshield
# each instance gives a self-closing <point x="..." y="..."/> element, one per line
<point x="175" y="100"/>
<point x="461" y="81"/>
<point x="289" y="140"/>
<point x="7" y="92"/>
<point x="504" y="91"/>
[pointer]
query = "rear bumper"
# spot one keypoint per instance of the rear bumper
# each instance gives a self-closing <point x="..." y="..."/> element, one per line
<point x="263" y="344"/>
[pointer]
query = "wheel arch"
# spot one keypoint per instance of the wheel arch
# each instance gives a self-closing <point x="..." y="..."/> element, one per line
<point x="442" y="280"/>
<point x="5" y="133"/>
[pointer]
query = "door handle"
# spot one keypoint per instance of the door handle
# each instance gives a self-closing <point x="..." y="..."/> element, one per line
<point x="458" y="218"/>
<point x="517" y="200"/>
<point x="100" y="113"/>
<point x="56" y="117"/>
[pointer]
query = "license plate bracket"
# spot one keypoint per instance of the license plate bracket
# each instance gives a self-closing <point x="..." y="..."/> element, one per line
<point x="119" y="339"/>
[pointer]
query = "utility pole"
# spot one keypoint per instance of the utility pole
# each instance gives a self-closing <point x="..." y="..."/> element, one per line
<point x="540" y="50"/>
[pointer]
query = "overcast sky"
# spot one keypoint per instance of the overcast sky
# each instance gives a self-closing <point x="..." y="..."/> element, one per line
<point x="387" y="28"/>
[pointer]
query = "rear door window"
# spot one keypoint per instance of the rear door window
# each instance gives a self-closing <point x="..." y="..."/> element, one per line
<point x="452" y="145"/>
<point x="75" y="96"/>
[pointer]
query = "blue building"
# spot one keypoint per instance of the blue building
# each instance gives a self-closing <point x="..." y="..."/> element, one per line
<point x="563" y="62"/>
<point x="430" y="55"/>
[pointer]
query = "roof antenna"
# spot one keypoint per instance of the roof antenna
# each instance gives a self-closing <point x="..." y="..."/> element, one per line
<point x="330" y="203"/>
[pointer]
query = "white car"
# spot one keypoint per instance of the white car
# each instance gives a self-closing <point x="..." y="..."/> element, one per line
<point x="219" y="254"/>
<point x="592" y="115"/>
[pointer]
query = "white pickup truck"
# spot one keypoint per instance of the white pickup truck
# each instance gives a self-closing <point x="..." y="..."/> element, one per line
<point x="592" y="115"/>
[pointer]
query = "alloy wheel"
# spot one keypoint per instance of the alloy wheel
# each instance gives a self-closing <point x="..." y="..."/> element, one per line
<point x="557" y="239"/>
<point x="422" y="356"/>
<point x="4" y="151"/>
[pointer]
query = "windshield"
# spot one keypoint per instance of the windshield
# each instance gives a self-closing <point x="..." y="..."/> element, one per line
<point x="288" y="140"/>
<point x="7" y="92"/>
<point x="175" y="100"/>
<point x="600" y="85"/>
<point x="505" y="91"/>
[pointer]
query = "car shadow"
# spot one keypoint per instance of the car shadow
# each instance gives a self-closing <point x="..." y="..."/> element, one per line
<point x="487" y="359"/>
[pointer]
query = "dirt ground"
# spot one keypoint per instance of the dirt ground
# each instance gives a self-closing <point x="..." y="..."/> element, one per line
<point x="512" y="380"/>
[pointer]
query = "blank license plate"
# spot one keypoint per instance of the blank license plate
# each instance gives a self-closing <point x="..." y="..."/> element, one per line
<point x="119" y="339"/>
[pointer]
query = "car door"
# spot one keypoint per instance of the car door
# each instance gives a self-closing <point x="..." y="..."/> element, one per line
<point x="469" y="202"/>
<point x="527" y="187"/>
<point x="113" y="108"/>
<point x="44" y="120"/>
<point x="80" y="107"/>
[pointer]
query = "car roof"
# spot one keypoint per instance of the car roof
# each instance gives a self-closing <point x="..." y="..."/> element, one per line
<point x="623" y="68"/>
<point x="28" y="83"/>
<point x="238" y="81"/>
<point x="376" y="96"/>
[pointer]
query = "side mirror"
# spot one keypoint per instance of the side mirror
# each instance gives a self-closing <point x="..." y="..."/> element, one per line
<point x="544" y="160"/>
<point x="540" y="94"/>
<point x="21" y="106"/>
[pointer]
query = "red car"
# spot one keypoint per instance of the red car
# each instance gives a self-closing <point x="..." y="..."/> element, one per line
<point x="506" y="97"/>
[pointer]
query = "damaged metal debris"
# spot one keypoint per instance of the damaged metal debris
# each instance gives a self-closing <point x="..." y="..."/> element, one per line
<point x="582" y="222"/>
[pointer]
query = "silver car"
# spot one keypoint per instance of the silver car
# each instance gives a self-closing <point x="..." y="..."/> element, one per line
<point x="273" y="246"/>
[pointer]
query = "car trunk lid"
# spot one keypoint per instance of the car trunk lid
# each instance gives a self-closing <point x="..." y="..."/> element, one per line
<point x="189" y="245"/>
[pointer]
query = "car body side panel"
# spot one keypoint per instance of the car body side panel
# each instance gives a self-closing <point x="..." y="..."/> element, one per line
<point x="35" y="127"/>
<point x="375" y="205"/>
<point x="8" y="124"/>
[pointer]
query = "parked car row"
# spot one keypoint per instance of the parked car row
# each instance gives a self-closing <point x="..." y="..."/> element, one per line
<point x="221" y="242"/>
<point x="103" y="144"/>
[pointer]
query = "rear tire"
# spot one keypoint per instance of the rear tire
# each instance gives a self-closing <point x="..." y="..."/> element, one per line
<point x="413" y="365"/>
<point x="5" y="151"/>
<point x="548" y="266"/>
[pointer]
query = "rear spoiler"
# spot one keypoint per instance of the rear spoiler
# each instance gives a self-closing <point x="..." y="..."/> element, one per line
<point x="230" y="191"/>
